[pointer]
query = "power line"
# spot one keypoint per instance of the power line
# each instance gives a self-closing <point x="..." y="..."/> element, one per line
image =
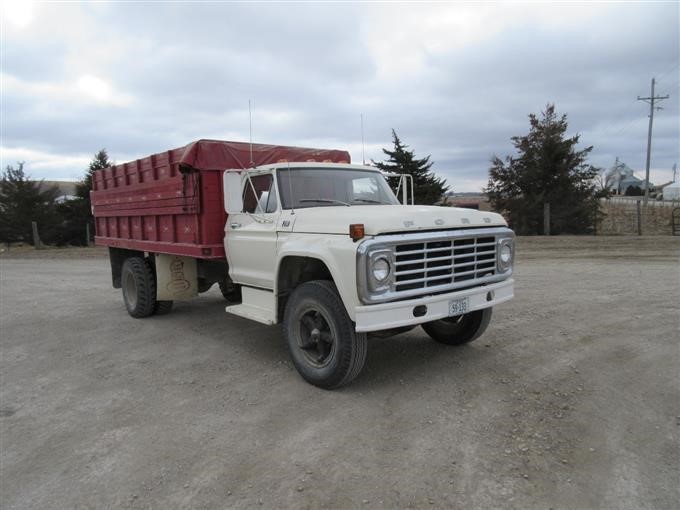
<point x="651" y="100"/>
<point x="673" y="67"/>
<point x="609" y="127"/>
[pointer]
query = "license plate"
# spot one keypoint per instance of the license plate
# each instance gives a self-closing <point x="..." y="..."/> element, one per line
<point x="459" y="306"/>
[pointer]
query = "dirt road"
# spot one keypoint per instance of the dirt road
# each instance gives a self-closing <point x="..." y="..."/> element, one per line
<point x="570" y="400"/>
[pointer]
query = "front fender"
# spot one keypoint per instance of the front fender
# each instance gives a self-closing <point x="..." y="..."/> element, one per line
<point x="337" y="252"/>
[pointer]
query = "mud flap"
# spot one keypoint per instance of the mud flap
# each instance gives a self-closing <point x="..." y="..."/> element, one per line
<point x="176" y="278"/>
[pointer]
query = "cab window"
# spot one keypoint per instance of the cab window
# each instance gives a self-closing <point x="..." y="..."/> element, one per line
<point x="264" y="195"/>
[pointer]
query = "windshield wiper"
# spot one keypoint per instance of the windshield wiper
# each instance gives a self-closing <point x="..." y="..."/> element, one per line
<point x="324" y="201"/>
<point x="367" y="200"/>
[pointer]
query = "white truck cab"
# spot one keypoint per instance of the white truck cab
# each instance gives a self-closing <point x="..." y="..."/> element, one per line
<point x="328" y="250"/>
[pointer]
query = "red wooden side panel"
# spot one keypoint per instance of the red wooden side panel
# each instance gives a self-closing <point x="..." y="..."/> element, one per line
<point x="149" y="205"/>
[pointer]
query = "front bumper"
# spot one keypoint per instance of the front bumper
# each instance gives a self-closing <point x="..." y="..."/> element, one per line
<point x="400" y="313"/>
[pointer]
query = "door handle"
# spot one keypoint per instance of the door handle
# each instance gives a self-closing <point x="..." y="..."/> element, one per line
<point x="235" y="225"/>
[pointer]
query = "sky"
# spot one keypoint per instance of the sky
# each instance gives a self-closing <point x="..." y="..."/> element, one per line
<point x="455" y="80"/>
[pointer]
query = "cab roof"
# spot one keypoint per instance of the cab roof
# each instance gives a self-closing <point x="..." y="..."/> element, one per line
<point x="308" y="164"/>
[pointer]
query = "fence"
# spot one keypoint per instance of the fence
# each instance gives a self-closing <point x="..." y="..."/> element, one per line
<point x="630" y="217"/>
<point x="631" y="201"/>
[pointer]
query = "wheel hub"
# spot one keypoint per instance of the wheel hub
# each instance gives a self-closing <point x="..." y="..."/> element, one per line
<point x="131" y="290"/>
<point x="316" y="338"/>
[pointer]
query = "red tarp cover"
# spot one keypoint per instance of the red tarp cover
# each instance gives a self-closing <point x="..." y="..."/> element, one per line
<point x="172" y="202"/>
<point x="222" y="155"/>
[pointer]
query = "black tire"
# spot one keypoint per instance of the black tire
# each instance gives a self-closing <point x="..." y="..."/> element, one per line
<point x="139" y="287"/>
<point x="323" y="345"/>
<point x="230" y="290"/>
<point x="461" y="329"/>
<point x="162" y="307"/>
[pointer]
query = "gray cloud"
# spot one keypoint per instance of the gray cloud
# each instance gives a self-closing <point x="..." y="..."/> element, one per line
<point x="455" y="82"/>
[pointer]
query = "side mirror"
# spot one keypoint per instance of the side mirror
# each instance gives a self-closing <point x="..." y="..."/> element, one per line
<point x="233" y="194"/>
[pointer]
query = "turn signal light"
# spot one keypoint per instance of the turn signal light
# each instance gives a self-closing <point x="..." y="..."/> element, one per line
<point x="356" y="231"/>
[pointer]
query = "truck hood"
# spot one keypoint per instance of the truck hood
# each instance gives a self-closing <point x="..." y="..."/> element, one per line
<point x="382" y="219"/>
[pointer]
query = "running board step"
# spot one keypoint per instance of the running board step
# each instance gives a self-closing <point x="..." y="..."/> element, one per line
<point x="257" y="305"/>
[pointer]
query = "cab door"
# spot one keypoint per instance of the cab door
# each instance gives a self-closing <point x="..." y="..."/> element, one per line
<point x="250" y="235"/>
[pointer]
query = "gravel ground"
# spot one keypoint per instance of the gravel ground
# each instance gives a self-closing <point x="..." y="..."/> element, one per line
<point x="570" y="400"/>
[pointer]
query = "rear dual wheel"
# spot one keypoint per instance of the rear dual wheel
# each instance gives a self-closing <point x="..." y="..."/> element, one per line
<point x="138" y="281"/>
<point x="230" y="290"/>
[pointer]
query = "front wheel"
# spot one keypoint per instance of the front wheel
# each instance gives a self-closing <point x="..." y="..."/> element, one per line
<point x="460" y="329"/>
<point x="325" y="349"/>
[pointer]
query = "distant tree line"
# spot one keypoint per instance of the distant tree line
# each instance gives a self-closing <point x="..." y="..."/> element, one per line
<point x="547" y="168"/>
<point x="23" y="201"/>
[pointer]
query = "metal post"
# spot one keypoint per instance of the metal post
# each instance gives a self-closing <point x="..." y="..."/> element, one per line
<point x="546" y="219"/>
<point x="87" y="234"/>
<point x="639" y="218"/>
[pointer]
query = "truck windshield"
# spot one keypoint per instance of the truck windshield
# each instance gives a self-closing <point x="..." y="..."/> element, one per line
<point x="332" y="187"/>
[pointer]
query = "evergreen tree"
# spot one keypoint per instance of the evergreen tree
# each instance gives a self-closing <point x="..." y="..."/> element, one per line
<point x="99" y="162"/>
<point x="428" y="188"/>
<point x="74" y="217"/>
<point x="79" y="212"/>
<point x="547" y="168"/>
<point x="23" y="201"/>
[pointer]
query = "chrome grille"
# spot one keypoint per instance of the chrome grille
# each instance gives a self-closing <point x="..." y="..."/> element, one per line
<point x="426" y="263"/>
<point x="444" y="262"/>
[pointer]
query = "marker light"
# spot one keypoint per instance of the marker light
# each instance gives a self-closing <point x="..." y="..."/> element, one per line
<point x="356" y="231"/>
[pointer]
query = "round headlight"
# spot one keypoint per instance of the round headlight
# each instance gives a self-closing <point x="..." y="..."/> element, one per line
<point x="506" y="254"/>
<point x="381" y="269"/>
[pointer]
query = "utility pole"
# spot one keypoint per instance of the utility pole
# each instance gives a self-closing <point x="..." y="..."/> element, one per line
<point x="617" y="176"/>
<point x="651" y="100"/>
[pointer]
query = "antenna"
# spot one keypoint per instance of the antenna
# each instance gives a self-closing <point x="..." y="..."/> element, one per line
<point x="290" y="189"/>
<point x="250" y="131"/>
<point x="363" y="155"/>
